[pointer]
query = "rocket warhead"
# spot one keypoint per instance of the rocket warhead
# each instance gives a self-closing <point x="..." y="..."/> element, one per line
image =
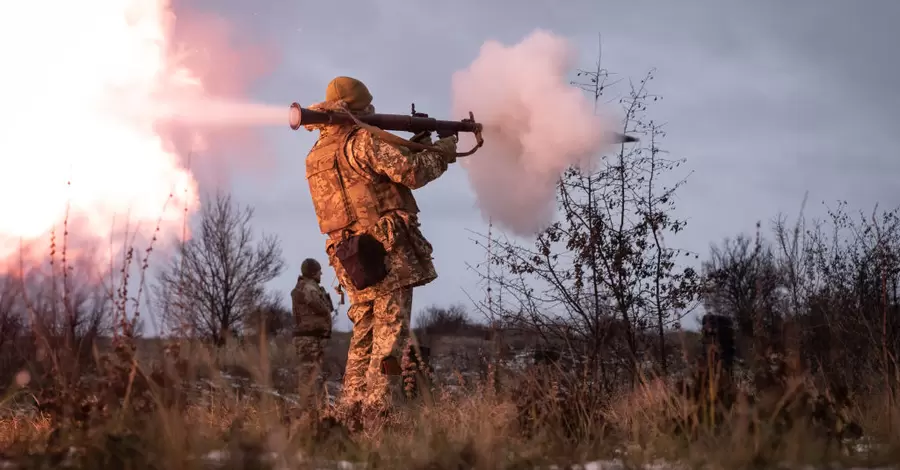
<point x="622" y="138"/>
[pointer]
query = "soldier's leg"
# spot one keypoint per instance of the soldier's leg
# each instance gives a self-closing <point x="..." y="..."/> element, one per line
<point x="321" y="375"/>
<point x="310" y="354"/>
<point x="358" y="354"/>
<point x="390" y="333"/>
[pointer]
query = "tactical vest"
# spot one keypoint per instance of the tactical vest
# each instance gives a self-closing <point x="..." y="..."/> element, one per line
<point x="342" y="197"/>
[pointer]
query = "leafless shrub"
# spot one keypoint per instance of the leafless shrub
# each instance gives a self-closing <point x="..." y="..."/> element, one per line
<point x="601" y="281"/>
<point x="826" y="294"/>
<point x="453" y="320"/>
<point x="271" y="316"/>
<point x="742" y="280"/>
<point x="218" y="278"/>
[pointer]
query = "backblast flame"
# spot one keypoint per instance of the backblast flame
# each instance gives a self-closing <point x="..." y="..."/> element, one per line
<point x="78" y="138"/>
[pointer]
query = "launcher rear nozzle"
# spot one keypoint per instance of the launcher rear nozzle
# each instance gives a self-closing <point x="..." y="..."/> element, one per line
<point x="295" y="117"/>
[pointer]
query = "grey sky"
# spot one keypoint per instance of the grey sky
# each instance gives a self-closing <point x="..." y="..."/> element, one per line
<point x="766" y="99"/>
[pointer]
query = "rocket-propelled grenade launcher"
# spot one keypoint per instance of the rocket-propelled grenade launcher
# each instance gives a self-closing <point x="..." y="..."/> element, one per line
<point x="417" y="123"/>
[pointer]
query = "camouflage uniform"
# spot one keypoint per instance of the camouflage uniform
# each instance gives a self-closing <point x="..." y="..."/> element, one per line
<point x="312" y="309"/>
<point x="361" y="184"/>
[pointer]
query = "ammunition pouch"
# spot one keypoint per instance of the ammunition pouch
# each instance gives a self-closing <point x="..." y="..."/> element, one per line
<point x="363" y="259"/>
<point x="391" y="366"/>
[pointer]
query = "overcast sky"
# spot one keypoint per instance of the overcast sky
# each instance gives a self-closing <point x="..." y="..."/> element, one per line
<point x="766" y="100"/>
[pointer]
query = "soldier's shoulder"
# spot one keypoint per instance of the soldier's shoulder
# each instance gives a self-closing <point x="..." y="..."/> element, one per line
<point x="360" y="137"/>
<point x="362" y="133"/>
<point x="309" y="285"/>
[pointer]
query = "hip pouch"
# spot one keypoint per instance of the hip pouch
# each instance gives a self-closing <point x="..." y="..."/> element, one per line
<point x="362" y="257"/>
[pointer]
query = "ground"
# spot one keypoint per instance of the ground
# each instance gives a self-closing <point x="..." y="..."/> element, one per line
<point x="489" y="408"/>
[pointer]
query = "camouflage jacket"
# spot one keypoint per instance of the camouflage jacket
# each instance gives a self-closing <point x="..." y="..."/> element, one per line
<point x="409" y="257"/>
<point x="312" y="309"/>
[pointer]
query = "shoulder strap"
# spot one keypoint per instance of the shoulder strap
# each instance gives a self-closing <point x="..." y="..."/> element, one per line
<point x="388" y="137"/>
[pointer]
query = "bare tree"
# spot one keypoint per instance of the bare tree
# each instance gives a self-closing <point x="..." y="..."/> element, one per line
<point x="436" y="320"/>
<point x="826" y="295"/>
<point x="219" y="277"/>
<point x="12" y="314"/>
<point x="68" y="302"/>
<point x="270" y="316"/>
<point x="63" y="305"/>
<point x="13" y="324"/>
<point x="849" y="301"/>
<point x="742" y="281"/>
<point x="600" y="277"/>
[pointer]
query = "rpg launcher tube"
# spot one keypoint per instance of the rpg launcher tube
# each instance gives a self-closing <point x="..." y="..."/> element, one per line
<point x="300" y="116"/>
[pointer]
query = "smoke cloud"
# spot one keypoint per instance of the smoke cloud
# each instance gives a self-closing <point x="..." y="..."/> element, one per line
<point x="536" y="125"/>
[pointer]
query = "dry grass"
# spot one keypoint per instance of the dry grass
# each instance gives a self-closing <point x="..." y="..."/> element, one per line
<point x="481" y="428"/>
<point x="482" y="413"/>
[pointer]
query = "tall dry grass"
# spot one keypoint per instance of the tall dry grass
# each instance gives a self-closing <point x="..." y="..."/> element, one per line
<point x="474" y="424"/>
<point x="150" y="403"/>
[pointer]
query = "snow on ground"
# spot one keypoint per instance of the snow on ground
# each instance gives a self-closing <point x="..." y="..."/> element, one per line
<point x="449" y="369"/>
<point x="220" y="457"/>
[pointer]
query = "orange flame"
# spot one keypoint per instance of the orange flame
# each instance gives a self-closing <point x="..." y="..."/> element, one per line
<point x="79" y="136"/>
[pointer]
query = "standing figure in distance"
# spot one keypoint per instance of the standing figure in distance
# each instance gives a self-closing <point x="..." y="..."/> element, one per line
<point x="312" y="308"/>
<point x="361" y="186"/>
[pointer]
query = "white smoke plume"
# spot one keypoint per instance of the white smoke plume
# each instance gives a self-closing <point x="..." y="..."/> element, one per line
<point x="536" y="126"/>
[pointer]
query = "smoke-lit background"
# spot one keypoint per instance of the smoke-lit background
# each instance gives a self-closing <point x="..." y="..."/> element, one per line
<point x="766" y="100"/>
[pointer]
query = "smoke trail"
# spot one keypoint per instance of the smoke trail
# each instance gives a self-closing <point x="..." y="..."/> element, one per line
<point x="536" y="126"/>
<point x="214" y="112"/>
<point x="216" y="123"/>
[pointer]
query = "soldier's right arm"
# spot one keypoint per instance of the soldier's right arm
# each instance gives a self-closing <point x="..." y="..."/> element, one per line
<point x="412" y="170"/>
<point x="296" y="300"/>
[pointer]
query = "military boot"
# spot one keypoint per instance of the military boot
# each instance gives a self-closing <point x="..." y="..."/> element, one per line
<point x="350" y="415"/>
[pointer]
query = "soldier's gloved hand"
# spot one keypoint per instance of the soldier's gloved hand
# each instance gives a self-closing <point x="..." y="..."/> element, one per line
<point x="423" y="138"/>
<point x="448" y="145"/>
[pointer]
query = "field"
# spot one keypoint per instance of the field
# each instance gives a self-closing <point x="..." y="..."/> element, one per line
<point x="489" y="407"/>
<point x="585" y="360"/>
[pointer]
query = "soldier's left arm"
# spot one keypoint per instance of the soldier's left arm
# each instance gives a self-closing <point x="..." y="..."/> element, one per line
<point x="412" y="170"/>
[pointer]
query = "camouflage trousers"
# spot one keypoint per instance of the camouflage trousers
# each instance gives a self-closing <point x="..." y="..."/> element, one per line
<point x="380" y="334"/>
<point x="311" y="390"/>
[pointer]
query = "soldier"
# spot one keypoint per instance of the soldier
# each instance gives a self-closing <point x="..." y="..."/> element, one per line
<point x="361" y="183"/>
<point x="312" y="309"/>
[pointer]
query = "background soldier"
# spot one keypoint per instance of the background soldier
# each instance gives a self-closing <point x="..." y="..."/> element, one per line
<point x="312" y="309"/>
<point x="361" y="190"/>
